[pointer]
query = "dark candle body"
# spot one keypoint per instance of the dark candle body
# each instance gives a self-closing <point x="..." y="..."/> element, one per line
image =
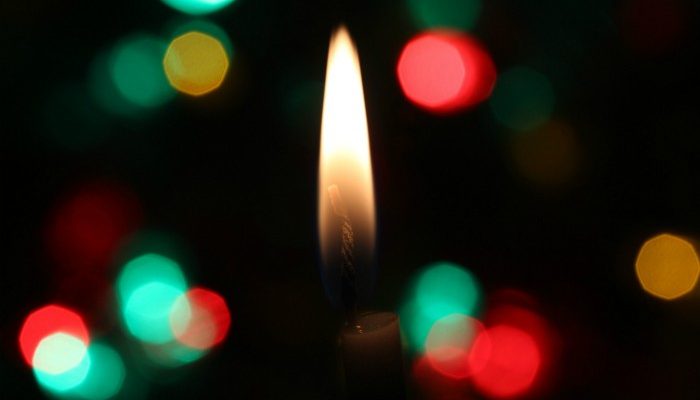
<point x="372" y="360"/>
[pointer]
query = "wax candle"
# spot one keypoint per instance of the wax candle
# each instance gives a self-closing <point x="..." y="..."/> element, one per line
<point x="370" y="344"/>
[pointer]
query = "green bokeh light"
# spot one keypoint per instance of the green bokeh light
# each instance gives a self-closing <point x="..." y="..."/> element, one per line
<point x="147" y="312"/>
<point x="523" y="99"/>
<point x="106" y="376"/>
<point x="62" y="349"/>
<point x="149" y="268"/>
<point x="197" y="7"/>
<point x="148" y="288"/>
<point x="442" y="289"/>
<point x="137" y="72"/>
<point x="456" y="14"/>
<point x="173" y="354"/>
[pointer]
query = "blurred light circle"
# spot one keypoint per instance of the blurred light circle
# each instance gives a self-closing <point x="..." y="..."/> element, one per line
<point x="105" y="376"/>
<point x="523" y="99"/>
<point x="441" y="289"/>
<point x="509" y="361"/>
<point x="444" y="71"/>
<point x="63" y="362"/>
<point x="88" y="226"/>
<point x="197" y="7"/>
<point x="147" y="311"/>
<point x="456" y="14"/>
<point x="172" y="354"/>
<point x="58" y="353"/>
<point x="195" y="63"/>
<point x="137" y="73"/>
<point x="46" y="321"/>
<point x="449" y="346"/>
<point x="667" y="266"/>
<point x="549" y="155"/>
<point x="149" y="268"/>
<point x="206" y="322"/>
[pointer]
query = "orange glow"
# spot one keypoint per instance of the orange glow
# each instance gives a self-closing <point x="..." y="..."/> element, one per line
<point x="667" y="266"/>
<point x="345" y="163"/>
<point x="46" y="321"/>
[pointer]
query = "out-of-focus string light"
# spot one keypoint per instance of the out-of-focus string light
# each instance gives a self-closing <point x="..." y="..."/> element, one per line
<point x="445" y="71"/>
<point x="511" y="362"/>
<point x="128" y="80"/>
<point x="455" y="14"/>
<point x="667" y="266"/>
<point x="550" y="155"/>
<point x="88" y="226"/>
<point x="47" y="321"/>
<point x="449" y="346"/>
<point x="106" y="375"/>
<point x="196" y="63"/>
<point x="523" y="99"/>
<point x="148" y="288"/>
<point x="206" y="321"/>
<point x="198" y="7"/>
<point x="440" y="290"/>
<point x="61" y="362"/>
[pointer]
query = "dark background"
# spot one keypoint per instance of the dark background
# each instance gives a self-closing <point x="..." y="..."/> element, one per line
<point x="233" y="176"/>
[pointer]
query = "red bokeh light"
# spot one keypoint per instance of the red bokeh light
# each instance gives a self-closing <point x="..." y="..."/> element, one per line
<point x="510" y="365"/>
<point x="88" y="226"/>
<point x="46" y="321"/>
<point x="209" y="322"/>
<point x="445" y="71"/>
<point x="430" y="384"/>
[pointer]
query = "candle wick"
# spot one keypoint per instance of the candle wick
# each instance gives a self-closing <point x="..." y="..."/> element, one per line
<point x="348" y="292"/>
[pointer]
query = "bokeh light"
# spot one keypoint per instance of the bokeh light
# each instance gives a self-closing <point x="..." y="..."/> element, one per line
<point x="441" y="289"/>
<point x="46" y="321"/>
<point x="197" y="7"/>
<point x="549" y="155"/>
<point x="195" y="63"/>
<point x="455" y="14"/>
<point x="172" y="354"/>
<point x="148" y="288"/>
<point x="449" y="346"/>
<point x="129" y="79"/>
<point x="66" y="351"/>
<point x="508" y="363"/>
<point x="88" y="226"/>
<point x="667" y="266"/>
<point x="58" y="353"/>
<point x="445" y="71"/>
<point x="523" y="99"/>
<point x="206" y="319"/>
<point x="105" y="376"/>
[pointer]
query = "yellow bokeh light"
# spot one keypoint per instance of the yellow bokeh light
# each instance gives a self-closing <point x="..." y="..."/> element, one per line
<point x="667" y="266"/>
<point x="195" y="63"/>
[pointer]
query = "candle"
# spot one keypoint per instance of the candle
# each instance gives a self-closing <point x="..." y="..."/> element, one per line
<point x="370" y="343"/>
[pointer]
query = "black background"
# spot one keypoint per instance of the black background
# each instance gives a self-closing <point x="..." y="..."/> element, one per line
<point x="233" y="175"/>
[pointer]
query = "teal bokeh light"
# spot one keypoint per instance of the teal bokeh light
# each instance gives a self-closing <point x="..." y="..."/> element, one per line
<point x="148" y="288"/>
<point x="136" y="68"/>
<point x="106" y="375"/>
<point x="149" y="268"/>
<point x="523" y="99"/>
<point x="455" y="14"/>
<point x="440" y="290"/>
<point x="64" y="381"/>
<point x="147" y="312"/>
<point x="197" y="7"/>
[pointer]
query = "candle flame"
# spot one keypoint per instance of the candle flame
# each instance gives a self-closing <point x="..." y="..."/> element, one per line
<point x="345" y="191"/>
